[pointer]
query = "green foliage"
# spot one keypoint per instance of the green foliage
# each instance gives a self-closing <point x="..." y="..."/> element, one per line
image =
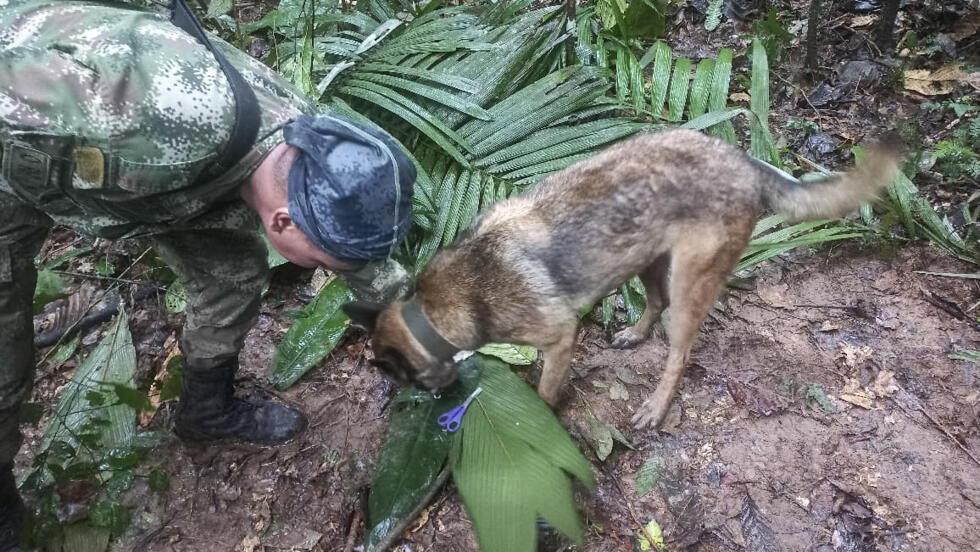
<point x="158" y="480"/>
<point x="170" y="388"/>
<point x="634" y="299"/>
<point x="713" y="17"/>
<point x="769" y="241"/>
<point x="104" y="267"/>
<point x="92" y="439"/>
<point x="176" y="297"/>
<point x="772" y="34"/>
<point x="959" y="107"/>
<point x="967" y="355"/>
<point x="64" y="352"/>
<point x="602" y="436"/>
<point x="816" y="394"/>
<point x="968" y="134"/>
<point x="649" y="474"/>
<point x="60" y="260"/>
<point x="312" y="337"/>
<point x="516" y="355"/>
<point x="511" y="461"/>
<point x="763" y="145"/>
<point x="955" y="161"/>
<point x="907" y="205"/>
<point x="414" y="451"/>
<point x="111" y="515"/>
<point x="50" y="287"/>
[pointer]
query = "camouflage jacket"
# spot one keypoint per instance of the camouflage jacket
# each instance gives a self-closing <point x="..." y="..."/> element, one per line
<point x="111" y="118"/>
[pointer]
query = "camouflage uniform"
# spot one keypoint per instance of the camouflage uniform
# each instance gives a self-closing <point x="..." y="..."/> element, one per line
<point x="110" y="119"/>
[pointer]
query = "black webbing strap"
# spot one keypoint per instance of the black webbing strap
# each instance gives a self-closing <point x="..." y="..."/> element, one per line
<point x="247" y="118"/>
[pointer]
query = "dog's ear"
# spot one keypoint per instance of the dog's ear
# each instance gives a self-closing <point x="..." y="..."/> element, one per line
<point x="363" y="314"/>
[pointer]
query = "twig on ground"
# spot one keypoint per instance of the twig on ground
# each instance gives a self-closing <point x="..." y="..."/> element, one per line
<point x="935" y="422"/>
<point x="396" y="531"/>
<point x="355" y="521"/>
<point x="629" y="506"/>
<point x="949" y="307"/>
<point x="91" y="305"/>
<point x="97" y="277"/>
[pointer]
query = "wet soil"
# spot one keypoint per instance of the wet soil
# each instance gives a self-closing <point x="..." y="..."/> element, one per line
<point x="887" y="473"/>
<point x="820" y="410"/>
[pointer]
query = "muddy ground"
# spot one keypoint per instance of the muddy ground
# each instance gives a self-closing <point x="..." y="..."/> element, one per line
<point x="820" y="410"/>
<point x="890" y="475"/>
<point x="886" y="471"/>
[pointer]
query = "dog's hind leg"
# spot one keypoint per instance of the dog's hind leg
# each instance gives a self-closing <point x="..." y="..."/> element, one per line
<point x="557" y="359"/>
<point x="654" y="278"/>
<point x="700" y="268"/>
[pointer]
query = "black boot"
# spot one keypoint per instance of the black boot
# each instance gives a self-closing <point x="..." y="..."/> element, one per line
<point x="11" y="510"/>
<point x="209" y="411"/>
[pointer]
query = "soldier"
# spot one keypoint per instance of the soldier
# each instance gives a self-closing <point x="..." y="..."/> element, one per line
<point x="112" y="121"/>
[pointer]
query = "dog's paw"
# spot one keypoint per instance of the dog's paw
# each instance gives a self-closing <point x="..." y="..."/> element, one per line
<point x="627" y="339"/>
<point x="650" y="414"/>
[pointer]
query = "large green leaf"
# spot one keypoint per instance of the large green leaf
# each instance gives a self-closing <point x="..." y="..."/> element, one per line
<point x="718" y="97"/>
<point x="414" y="452"/>
<point x="312" y="337"/>
<point x="518" y="355"/>
<point x="645" y="18"/>
<point x="112" y="362"/>
<point x="511" y="461"/>
<point x="49" y="287"/>
<point x="661" y="77"/>
<point x="763" y="146"/>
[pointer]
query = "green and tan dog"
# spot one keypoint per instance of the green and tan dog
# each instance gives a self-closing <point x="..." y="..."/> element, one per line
<point x="678" y="203"/>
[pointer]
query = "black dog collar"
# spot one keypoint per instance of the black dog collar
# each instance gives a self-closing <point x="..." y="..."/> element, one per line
<point x="423" y="331"/>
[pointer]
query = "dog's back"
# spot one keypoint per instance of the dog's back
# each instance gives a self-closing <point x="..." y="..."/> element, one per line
<point x="677" y="202"/>
<point x="611" y="215"/>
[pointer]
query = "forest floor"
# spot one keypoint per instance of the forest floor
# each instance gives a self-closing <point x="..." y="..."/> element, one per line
<point x="820" y="408"/>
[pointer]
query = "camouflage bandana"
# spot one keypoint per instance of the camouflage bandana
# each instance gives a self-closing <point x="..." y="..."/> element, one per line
<point x="350" y="188"/>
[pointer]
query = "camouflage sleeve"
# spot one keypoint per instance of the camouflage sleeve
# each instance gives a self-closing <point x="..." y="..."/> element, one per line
<point x="378" y="282"/>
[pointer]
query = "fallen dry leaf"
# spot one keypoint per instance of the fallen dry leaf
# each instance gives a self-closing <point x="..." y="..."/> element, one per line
<point x="775" y="296"/>
<point x="162" y="376"/>
<point x="618" y="392"/>
<point x="884" y="384"/>
<point x="854" y="356"/>
<point x="939" y="82"/>
<point x="420" y="522"/>
<point x="853" y="394"/>
<point x="755" y="399"/>
<point x="966" y="26"/>
<point x="829" y="326"/>
<point x="862" y="20"/>
<point x="250" y="543"/>
<point x="320" y="278"/>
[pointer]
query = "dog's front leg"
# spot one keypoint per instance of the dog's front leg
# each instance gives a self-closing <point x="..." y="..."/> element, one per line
<point x="557" y="359"/>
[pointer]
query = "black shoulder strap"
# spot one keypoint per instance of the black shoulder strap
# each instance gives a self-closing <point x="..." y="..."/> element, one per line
<point x="246" y="127"/>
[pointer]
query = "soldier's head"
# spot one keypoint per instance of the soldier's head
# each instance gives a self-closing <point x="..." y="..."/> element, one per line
<point x="336" y="193"/>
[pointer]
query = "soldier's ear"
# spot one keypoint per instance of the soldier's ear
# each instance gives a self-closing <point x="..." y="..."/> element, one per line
<point x="363" y="314"/>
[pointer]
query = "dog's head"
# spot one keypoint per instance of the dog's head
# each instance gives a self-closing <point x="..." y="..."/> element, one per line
<point x="397" y="352"/>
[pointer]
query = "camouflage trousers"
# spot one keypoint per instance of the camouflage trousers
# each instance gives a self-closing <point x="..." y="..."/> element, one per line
<point x="223" y="272"/>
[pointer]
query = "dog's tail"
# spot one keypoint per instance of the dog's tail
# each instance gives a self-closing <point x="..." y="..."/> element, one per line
<point x="833" y="196"/>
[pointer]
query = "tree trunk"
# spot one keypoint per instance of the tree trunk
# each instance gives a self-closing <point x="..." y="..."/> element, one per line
<point x="813" y="21"/>
<point x="886" y="27"/>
